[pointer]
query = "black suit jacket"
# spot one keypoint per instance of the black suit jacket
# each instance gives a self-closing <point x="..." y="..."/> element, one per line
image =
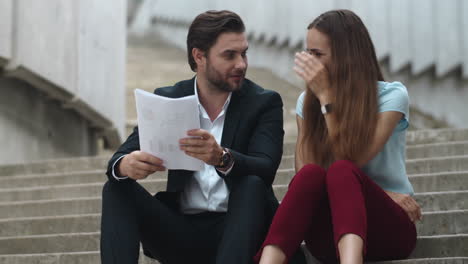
<point x="253" y="131"/>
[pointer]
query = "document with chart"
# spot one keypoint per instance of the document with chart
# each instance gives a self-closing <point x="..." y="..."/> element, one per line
<point x="162" y="122"/>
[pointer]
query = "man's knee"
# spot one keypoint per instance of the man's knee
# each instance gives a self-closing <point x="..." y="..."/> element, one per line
<point x="115" y="190"/>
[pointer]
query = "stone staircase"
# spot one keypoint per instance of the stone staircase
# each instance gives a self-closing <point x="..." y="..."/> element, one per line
<point x="50" y="210"/>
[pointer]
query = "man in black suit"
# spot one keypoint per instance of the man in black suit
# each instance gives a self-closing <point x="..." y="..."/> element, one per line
<point x="221" y="213"/>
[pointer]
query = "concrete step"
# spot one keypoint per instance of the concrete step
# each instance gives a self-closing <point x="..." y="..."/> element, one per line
<point x="434" y="223"/>
<point x="429" y="202"/>
<point x="443" y="222"/>
<point x="449" y="260"/>
<point x="421" y="183"/>
<point x="434" y="201"/>
<point x="455" y="148"/>
<point x="93" y="257"/>
<point x="68" y="191"/>
<point x="100" y="162"/>
<point x="36" y="180"/>
<point x="441" y="246"/>
<point x="90" y="257"/>
<point x="70" y="242"/>
<point x="439" y="182"/>
<point x="415" y="151"/>
<point x="434" y="165"/>
<point x="436" y="136"/>
<point x="427" y="246"/>
<point x="55" y="166"/>
<point x="427" y="182"/>
<point x="56" y="207"/>
<point x="28" y="226"/>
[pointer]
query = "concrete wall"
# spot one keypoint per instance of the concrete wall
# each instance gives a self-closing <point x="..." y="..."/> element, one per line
<point x="421" y="42"/>
<point x="73" y="52"/>
<point x="36" y="127"/>
<point x="5" y="31"/>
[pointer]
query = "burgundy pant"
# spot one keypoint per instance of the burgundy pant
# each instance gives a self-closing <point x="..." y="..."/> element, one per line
<point x="321" y="206"/>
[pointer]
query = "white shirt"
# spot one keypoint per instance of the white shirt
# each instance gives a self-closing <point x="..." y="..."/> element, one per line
<point x="205" y="191"/>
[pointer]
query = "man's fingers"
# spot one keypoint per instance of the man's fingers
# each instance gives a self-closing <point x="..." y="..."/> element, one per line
<point x="196" y="150"/>
<point x="148" y="158"/>
<point x="199" y="133"/>
<point x="192" y="141"/>
<point x="147" y="167"/>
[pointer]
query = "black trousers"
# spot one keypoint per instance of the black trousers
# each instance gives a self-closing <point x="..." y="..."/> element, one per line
<point x="131" y="215"/>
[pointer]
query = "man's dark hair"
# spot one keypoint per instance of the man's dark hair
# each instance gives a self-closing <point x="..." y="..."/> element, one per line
<point x="206" y="28"/>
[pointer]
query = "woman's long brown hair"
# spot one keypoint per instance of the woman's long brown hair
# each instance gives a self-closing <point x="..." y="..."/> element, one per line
<point x="354" y="72"/>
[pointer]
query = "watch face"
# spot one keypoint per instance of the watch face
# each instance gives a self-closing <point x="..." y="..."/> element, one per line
<point x="225" y="158"/>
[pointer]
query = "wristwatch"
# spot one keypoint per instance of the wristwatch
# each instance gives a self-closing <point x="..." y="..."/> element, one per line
<point x="326" y="108"/>
<point x="226" y="159"/>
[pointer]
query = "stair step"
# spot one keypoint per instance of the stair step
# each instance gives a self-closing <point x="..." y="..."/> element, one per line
<point x="427" y="150"/>
<point x="456" y="148"/>
<point x="434" y="223"/>
<point x="55" y="166"/>
<point x="93" y="257"/>
<point x="443" y="222"/>
<point x="34" y="180"/>
<point x="54" y="243"/>
<point x="429" y="202"/>
<point x="429" y="137"/>
<point x="57" y="207"/>
<point x="434" y="201"/>
<point x="440" y="182"/>
<point x="434" y="165"/>
<point x="422" y="183"/>
<point x="427" y="182"/>
<point x="90" y="257"/>
<point x="441" y="246"/>
<point x="68" y="191"/>
<point x="449" y="260"/>
<point x="436" y="136"/>
<point x="426" y="246"/>
<point x="28" y="226"/>
<point x="442" y="201"/>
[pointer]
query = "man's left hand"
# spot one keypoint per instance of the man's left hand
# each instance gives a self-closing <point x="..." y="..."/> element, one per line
<point x="203" y="146"/>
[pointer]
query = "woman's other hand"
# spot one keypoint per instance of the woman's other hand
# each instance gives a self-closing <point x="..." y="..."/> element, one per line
<point x="408" y="204"/>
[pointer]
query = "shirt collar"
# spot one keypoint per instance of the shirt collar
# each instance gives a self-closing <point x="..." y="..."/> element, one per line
<point x="200" y="106"/>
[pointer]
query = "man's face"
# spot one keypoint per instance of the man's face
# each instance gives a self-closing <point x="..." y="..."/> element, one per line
<point x="226" y="62"/>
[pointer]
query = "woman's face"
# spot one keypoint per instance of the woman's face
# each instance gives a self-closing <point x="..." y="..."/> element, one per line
<point x="318" y="45"/>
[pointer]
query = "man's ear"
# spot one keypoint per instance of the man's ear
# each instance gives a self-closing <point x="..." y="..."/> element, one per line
<point x="199" y="57"/>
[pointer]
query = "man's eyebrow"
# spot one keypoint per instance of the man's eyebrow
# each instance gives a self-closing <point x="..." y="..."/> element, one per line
<point x="233" y="50"/>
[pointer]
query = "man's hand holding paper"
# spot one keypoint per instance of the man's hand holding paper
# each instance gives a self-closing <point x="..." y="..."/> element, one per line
<point x="162" y="122"/>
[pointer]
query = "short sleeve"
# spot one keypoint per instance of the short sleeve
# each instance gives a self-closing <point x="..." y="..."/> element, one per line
<point x="300" y="105"/>
<point x="394" y="97"/>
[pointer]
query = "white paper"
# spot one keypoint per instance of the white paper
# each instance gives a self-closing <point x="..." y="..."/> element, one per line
<point x="162" y="122"/>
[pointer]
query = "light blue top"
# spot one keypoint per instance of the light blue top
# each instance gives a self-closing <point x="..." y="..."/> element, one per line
<point x="387" y="169"/>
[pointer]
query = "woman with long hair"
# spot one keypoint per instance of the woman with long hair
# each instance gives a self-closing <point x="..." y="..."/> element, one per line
<point x="350" y="199"/>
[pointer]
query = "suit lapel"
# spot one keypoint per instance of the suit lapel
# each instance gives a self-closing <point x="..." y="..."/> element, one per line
<point x="232" y="120"/>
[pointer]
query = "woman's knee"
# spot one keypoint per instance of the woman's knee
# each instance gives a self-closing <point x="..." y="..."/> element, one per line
<point x="309" y="174"/>
<point x="310" y="177"/>
<point x="340" y="171"/>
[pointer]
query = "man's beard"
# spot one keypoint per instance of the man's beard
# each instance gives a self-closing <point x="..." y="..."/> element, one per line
<point x="215" y="78"/>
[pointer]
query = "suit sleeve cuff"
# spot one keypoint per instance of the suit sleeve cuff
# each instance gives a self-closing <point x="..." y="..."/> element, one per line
<point x="113" y="170"/>
<point x="225" y="173"/>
